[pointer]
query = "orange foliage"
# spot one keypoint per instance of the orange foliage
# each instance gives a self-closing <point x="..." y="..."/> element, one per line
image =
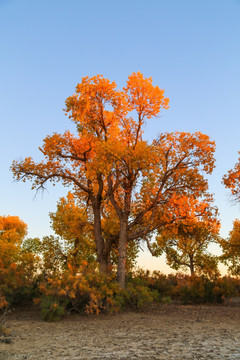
<point x="16" y="267"/>
<point x="12" y="230"/>
<point x="232" y="180"/>
<point x="71" y="223"/>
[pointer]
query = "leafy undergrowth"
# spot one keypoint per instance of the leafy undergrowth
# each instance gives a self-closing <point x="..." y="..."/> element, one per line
<point x="86" y="291"/>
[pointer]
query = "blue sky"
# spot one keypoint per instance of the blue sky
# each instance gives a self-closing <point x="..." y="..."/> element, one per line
<point x="190" y="48"/>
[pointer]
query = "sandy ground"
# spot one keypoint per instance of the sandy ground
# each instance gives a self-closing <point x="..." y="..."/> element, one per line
<point x="169" y="332"/>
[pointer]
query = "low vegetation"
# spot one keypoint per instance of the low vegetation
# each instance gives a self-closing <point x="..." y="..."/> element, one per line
<point x="39" y="273"/>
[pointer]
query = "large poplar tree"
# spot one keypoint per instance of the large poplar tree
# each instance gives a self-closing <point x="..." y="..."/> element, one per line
<point x="106" y="161"/>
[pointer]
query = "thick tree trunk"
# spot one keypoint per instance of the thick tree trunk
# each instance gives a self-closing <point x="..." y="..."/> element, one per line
<point x="122" y="253"/>
<point x="103" y="266"/>
<point x="103" y="258"/>
<point x="123" y="212"/>
<point x="192" y="270"/>
<point x="105" y="263"/>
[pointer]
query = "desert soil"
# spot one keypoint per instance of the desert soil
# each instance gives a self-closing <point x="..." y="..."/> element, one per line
<point x="169" y="332"/>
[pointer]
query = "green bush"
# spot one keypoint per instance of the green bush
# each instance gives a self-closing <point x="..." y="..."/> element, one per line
<point x="155" y="281"/>
<point x="52" y="309"/>
<point x="165" y="300"/>
<point x="139" y="296"/>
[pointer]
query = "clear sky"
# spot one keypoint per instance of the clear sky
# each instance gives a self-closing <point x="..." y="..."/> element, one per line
<point x="190" y="48"/>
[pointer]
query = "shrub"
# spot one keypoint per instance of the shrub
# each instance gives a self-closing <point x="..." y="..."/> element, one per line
<point x="52" y="309"/>
<point x="86" y="290"/>
<point x="138" y="296"/>
<point x="196" y="290"/>
<point x="226" y="287"/>
<point x="90" y="292"/>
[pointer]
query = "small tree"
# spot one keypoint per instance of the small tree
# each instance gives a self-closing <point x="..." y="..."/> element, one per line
<point x="186" y="243"/>
<point x="231" y="249"/>
<point x="17" y="267"/>
<point x="231" y="246"/>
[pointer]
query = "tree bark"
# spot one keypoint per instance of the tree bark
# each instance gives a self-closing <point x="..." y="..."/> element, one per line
<point x="103" y="257"/>
<point x="192" y="270"/>
<point x="104" y="265"/>
<point x="122" y="253"/>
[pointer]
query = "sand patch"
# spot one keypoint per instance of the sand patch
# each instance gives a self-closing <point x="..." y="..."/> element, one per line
<point x="169" y="332"/>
